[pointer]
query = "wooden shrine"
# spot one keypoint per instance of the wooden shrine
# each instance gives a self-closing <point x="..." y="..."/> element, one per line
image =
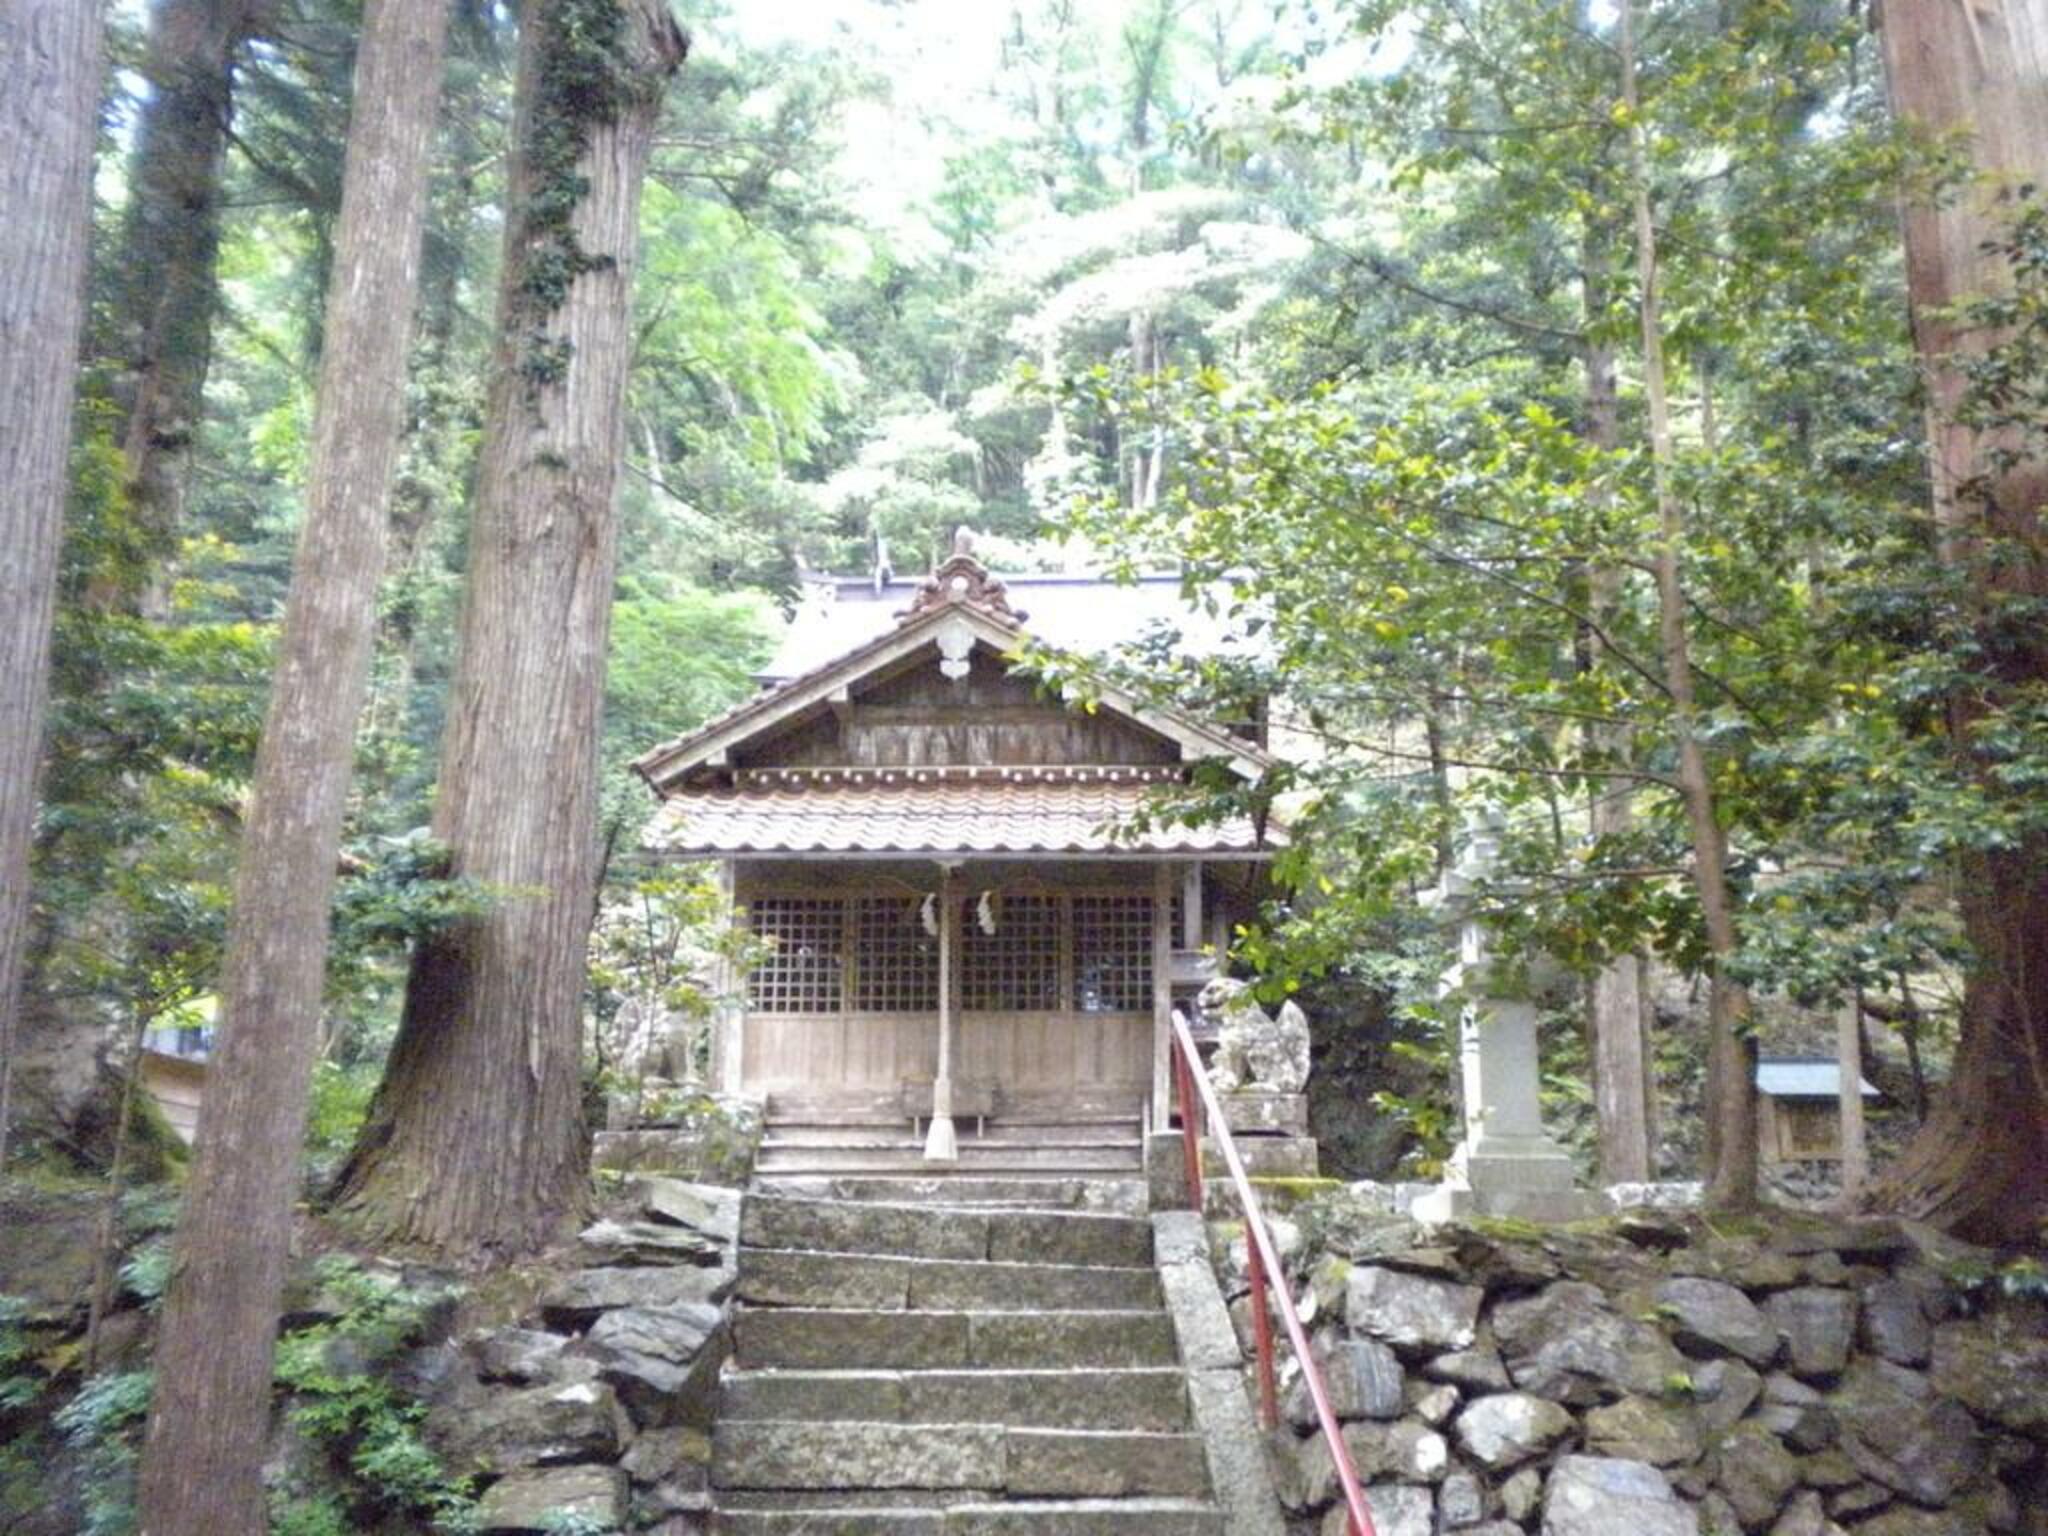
<point x="957" y="918"/>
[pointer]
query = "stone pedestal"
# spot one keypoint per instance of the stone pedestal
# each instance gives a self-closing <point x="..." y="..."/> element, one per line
<point x="1258" y="1111"/>
<point x="1271" y="1132"/>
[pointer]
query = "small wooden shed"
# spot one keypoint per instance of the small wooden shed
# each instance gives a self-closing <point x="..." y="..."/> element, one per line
<point x="1799" y="1101"/>
<point x="960" y="919"/>
<point x="173" y="1067"/>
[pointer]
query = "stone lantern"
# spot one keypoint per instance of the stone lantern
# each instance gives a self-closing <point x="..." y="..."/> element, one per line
<point x="1507" y="1164"/>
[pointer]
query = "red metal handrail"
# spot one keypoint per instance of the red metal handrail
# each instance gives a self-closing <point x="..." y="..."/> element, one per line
<point x="1198" y="1103"/>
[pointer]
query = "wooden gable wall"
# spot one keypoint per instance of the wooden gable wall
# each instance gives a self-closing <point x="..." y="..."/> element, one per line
<point x="919" y="718"/>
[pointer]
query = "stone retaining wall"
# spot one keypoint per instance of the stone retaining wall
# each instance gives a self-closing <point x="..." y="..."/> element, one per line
<point x="1661" y="1375"/>
<point x="595" y="1409"/>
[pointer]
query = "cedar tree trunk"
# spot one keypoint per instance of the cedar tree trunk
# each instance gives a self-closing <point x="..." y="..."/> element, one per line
<point x="156" y="338"/>
<point x="1980" y="1165"/>
<point x="202" y="1458"/>
<point x="475" y="1142"/>
<point x="1616" y="1013"/>
<point x="166" y="291"/>
<point x="49" y="106"/>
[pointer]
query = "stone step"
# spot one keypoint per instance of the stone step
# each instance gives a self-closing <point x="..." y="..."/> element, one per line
<point x="934" y="1186"/>
<point x="786" y="1277"/>
<point x="1031" y="1463"/>
<point x="840" y="1106"/>
<point x="941" y="1232"/>
<point x="825" y="1338"/>
<point x="992" y="1133"/>
<point x="1049" y="1517"/>
<point x="907" y="1157"/>
<point x="1150" y="1398"/>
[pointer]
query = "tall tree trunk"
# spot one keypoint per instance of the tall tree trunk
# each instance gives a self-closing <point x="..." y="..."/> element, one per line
<point x="1731" y="1082"/>
<point x="1910" y="1028"/>
<point x="49" y="117"/>
<point x="202" y="1457"/>
<point x="1616" y="1015"/>
<point x="155" y="342"/>
<point x="475" y="1141"/>
<point x="167" y="294"/>
<point x="1981" y="71"/>
<point x="435" y="447"/>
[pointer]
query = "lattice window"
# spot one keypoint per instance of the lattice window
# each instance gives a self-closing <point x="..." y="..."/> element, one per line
<point x="1113" y="954"/>
<point x="895" y="962"/>
<point x="1016" y="969"/>
<point x="804" y="969"/>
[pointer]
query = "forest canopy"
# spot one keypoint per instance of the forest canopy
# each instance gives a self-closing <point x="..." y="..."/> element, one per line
<point x="1615" y="427"/>
<point x="1337" y="307"/>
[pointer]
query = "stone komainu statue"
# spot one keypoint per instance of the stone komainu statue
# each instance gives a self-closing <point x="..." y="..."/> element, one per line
<point x="652" y="1040"/>
<point x="1254" y="1050"/>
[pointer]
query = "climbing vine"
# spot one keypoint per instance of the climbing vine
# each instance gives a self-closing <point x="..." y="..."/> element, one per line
<point x="584" y="80"/>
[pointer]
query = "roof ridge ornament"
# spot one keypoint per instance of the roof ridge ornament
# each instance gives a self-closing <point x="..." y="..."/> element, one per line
<point x="964" y="580"/>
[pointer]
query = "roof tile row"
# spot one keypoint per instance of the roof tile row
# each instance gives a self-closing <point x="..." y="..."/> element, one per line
<point x="939" y="815"/>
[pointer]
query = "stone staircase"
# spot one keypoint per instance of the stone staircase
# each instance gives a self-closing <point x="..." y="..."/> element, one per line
<point x="966" y="1365"/>
<point x="1098" y="1145"/>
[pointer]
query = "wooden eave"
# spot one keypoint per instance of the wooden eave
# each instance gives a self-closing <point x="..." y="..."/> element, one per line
<point x="712" y="745"/>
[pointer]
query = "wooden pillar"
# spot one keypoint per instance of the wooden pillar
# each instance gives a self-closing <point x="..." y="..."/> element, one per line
<point x="1162" y="997"/>
<point x="728" y="1008"/>
<point x="1849" y="1053"/>
<point x="1191" y="906"/>
<point x="941" y="1144"/>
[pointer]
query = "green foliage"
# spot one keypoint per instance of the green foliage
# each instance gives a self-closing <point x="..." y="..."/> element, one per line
<point x="660" y="933"/>
<point x="340" y="1398"/>
<point x="1981" y="1279"/>
<point x="398" y="891"/>
<point x="583" y="81"/>
<point x="152" y="727"/>
<point x="2006" y="382"/>
<point x="313" y="1514"/>
<point x="2026" y="1278"/>
<point x="340" y="1101"/>
<point x="676" y="660"/>
<point x="19" y="1385"/>
<point x="103" y="1423"/>
<point x="564" y="1522"/>
<point x="146" y="1272"/>
<point x="1409" y="516"/>
<point x="1304" y="302"/>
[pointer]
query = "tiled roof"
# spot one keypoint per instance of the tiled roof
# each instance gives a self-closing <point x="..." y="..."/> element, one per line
<point x="669" y="760"/>
<point x="932" y="811"/>
<point x="1804" y="1077"/>
<point x="1086" y="615"/>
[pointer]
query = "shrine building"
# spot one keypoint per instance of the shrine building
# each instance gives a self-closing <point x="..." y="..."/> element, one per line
<point x="962" y="933"/>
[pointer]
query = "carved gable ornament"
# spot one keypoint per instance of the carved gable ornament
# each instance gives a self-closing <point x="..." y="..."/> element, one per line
<point x="962" y="579"/>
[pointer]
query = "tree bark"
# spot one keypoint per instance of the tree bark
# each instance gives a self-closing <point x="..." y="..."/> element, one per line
<point x="1981" y="71"/>
<point x="433" y="449"/>
<point x="152" y="338"/>
<point x="202" y="1459"/>
<point x="1616" y="1012"/>
<point x="167" y="294"/>
<point x="1849" y="1095"/>
<point x="1731" y="1080"/>
<point x="49" y="101"/>
<point x="475" y="1142"/>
